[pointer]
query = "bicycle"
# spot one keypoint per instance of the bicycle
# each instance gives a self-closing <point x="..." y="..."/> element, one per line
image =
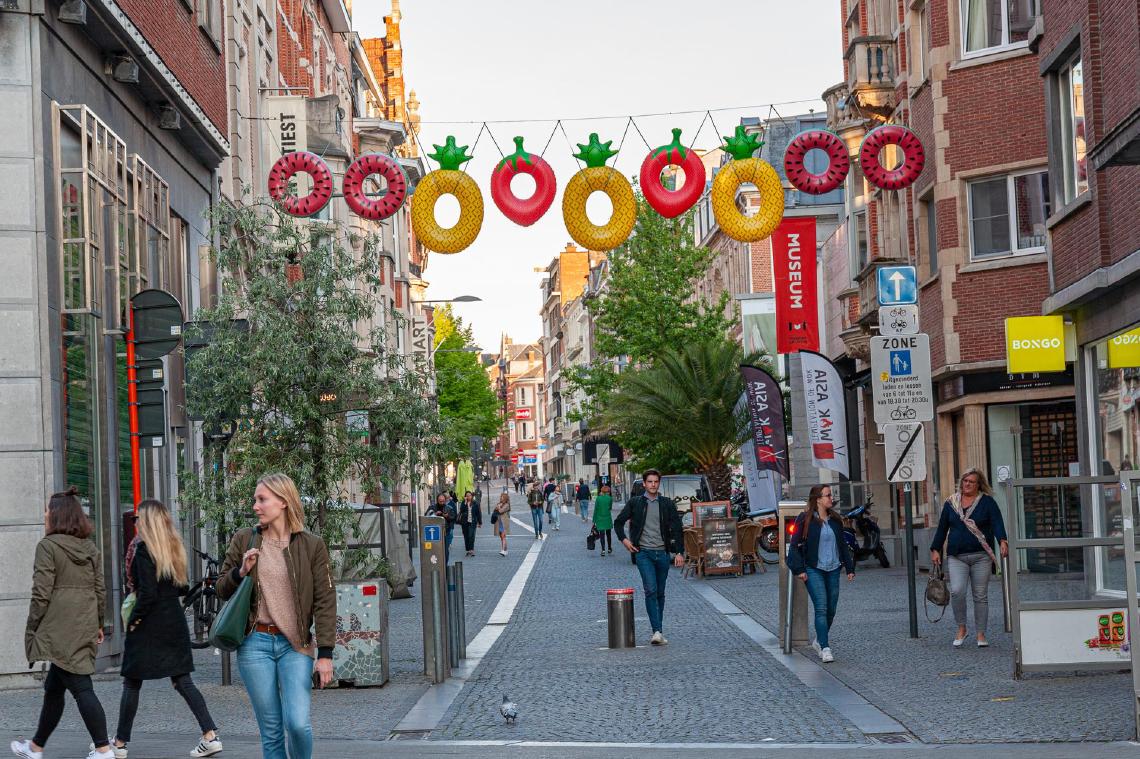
<point x="201" y="604"/>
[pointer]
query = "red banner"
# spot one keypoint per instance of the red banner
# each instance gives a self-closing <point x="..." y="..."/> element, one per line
<point x="797" y="301"/>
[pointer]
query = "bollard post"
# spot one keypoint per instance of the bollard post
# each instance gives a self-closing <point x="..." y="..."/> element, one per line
<point x="912" y="601"/>
<point x="433" y="599"/>
<point x="460" y="611"/>
<point x="1005" y="600"/>
<point x="793" y="626"/>
<point x="227" y="672"/>
<point x="619" y="618"/>
<point x="452" y="619"/>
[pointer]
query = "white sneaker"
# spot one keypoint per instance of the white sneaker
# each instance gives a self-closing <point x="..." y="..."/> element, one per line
<point x="119" y="752"/>
<point x="23" y="749"/>
<point x="502" y="553"/>
<point x="815" y="646"/>
<point x="207" y="748"/>
<point x="825" y="656"/>
<point x="658" y="639"/>
<point x="108" y="754"/>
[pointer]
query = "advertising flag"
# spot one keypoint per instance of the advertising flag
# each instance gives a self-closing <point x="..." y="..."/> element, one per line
<point x="826" y="412"/>
<point x="766" y="414"/>
<point x="793" y="267"/>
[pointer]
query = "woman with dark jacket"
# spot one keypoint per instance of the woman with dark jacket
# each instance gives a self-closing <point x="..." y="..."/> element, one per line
<point x="817" y="556"/>
<point x="967" y="527"/>
<point x="158" y="642"/>
<point x="65" y="623"/>
<point x="470" y="519"/>
<point x="293" y="590"/>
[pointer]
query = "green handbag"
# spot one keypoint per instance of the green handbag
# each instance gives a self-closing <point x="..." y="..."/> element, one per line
<point x="227" y="632"/>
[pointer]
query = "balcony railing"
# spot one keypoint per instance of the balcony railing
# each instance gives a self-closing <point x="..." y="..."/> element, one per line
<point x="871" y="70"/>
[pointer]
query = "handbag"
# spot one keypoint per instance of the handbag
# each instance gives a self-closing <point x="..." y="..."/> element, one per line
<point x="494" y="517"/>
<point x="592" y="539"/>
<point x="228" y="630"/>
<point x="128" y="608"/>
<point x="937" y="593"/>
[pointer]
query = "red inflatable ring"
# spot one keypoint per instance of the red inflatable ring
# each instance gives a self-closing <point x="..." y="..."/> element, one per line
<point x="914" y="157"/>
<point x="523" y="211"/>
<point x="375" y="209"/>
<point x="290" y="164"/>
<point x="671" y="203"/>
<point x="837" y="167"/>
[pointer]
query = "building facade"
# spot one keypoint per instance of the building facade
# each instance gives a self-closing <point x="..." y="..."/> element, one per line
<point x="517" y="375"/>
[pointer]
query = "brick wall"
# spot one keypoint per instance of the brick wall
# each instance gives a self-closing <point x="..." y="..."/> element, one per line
<point x="195" y="59"/>
<point x="761" y="254"/>
<point x="984" y="301"/>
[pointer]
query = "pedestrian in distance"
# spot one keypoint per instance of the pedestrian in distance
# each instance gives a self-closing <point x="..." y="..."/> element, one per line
<point x="293" y="594"/>
<point x="548" y="487"/>
<point x="470" y="519"/>
<point x="535" y="500"/>
<point x="818" y="554"/>
<point x="554" y="503"/>
<point x="65" y="623"/>
<point x="967" y="527"/>
<point x="157" y="643"/>
<point x="655" y="533"/>
<point x="604" y="519"/>
<point x="445" y="508"/>
<point x="583" y="496"/>
<point x="501" y="518"/>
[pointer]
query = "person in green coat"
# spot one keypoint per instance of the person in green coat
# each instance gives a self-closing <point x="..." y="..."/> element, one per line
<point x="604" y="519"/>
<point x="65" y="623"/>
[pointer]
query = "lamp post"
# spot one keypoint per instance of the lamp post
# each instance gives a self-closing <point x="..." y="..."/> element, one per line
<point x="456" y="299"/>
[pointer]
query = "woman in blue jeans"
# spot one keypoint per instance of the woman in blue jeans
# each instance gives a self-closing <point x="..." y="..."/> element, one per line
<point x="817" y="557"/>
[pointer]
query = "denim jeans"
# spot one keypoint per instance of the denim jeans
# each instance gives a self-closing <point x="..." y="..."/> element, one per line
<point x="555" y="516"/>
<point x="823" y="587"/>
<point x="279" y="683"/>
<point x="536" y="520"/>
<point x="653" y="563"/>
<point x="584" y="508"/>
<point x="971" y="569"/>
<point x="58" y="682"/>
<point x="184" y="684"/>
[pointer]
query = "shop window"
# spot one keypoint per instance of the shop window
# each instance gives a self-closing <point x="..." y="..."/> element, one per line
<point x="988" y="25"/>
<point x="1007" y="215"/>
<point x="1069" y="100"/>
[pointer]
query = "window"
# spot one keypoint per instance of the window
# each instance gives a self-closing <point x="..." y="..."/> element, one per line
<point x="860" y="249"/>
<point x="929" y="217"/>
<point x="210" y="19"/>
<point x="920" y="43"/>
<point x="988" y="24"/>
<point x="1007" y="215"/>
<point x="521" y="397"/>
<point x="1071" y="110"/>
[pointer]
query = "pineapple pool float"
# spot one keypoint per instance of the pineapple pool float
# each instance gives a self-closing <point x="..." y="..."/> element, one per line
<point x="597" y="177"/>
<point x="743" y="169"/>
<point x="447" y="180"/>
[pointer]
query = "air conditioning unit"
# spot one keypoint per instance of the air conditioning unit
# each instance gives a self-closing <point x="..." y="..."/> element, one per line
<point x="73" y="12"/>
<point x="169" y="118"/>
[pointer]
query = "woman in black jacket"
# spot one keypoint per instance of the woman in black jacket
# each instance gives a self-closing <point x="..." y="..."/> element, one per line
<point x="158" y="641"/>
<point x="470" y="519"/>
<point x="818" y="555"/>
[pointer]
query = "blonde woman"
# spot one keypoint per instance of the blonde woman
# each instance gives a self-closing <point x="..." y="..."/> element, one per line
<point x="967" y="528"/>
<point x="293" y="592"/>
<point x="158" y="641"/>
<point x="503" y="516"/>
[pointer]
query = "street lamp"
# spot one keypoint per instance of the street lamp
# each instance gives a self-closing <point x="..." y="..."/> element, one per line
<point x="464" y="349"/>
<point x="457" y="299"/>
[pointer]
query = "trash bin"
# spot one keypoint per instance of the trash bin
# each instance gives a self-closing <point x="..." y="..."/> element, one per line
<point x="619" y="617"/>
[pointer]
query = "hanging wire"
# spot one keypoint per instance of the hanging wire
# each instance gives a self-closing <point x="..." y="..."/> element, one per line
<point x="719" y="136"/>
<point x="635" y="126"/>
<point x="496" y="142"/>
<point x="624" y="115"/>
<point x="548" y="139"/>
<point x="698" y="132"/>
<point x="569" y="144"/>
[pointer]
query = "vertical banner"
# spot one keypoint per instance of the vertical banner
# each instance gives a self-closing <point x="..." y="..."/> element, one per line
<point x="763" y="485"/>
<point x="826" y="413"/>
<point x="284" y="129"/>
<point x="797" y="300"/>
<point x="766" y="414"/>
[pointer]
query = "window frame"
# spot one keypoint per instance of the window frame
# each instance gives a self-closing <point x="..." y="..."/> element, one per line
<point x="928" y="212"/>
<point x="1011" y="201"/>
<point x="1064" y="101"/>
<point x="1004" y="45"/>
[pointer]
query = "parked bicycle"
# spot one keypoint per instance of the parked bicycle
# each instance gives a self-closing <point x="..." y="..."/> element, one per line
<point x="201" y="602"/>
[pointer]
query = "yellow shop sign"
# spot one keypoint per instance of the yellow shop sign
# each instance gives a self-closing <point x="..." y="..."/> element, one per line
<point x="1035" y="344"/>
<point x="1124" y="350"/>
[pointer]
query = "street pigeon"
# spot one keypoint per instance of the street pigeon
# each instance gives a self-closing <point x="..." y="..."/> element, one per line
<point x="509" y="709"/>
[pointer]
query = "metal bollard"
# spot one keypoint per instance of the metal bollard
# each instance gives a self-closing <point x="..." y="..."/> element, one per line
<point x="461" y="612"/>
<point x="619" y="617"/>
<point x="452" y="617"/>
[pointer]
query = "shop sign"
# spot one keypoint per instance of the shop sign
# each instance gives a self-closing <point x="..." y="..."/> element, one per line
<point x="1124" y="350"/>
<point x="1035" y="344"/>
<point x="522" y="413"/>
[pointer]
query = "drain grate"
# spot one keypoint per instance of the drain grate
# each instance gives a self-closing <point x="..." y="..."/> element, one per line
<point x="409" y="735"/>
<point x="892" y="738"/>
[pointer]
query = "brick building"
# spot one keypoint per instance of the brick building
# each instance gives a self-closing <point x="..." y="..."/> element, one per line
<point x="517" y="375"/>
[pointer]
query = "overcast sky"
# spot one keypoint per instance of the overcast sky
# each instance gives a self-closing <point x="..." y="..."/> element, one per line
<point x="543" y="60"/>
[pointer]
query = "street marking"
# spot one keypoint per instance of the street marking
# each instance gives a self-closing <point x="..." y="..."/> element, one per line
<point x="524" y="525"/>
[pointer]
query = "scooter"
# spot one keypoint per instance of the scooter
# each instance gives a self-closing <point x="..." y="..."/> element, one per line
<point x="859" y="520"/>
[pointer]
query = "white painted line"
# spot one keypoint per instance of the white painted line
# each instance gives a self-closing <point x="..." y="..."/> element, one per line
<point x="433" y="704"/>
<point x="528" y="527"/>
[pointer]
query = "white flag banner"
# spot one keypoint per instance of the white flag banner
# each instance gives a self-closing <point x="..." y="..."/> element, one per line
<point x="826" y="413"/>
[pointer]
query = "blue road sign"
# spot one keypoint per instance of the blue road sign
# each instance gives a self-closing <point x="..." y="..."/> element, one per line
<point x="898" y="285"/>
<point x="901" y="365"/>
<point x="431" y="533"/>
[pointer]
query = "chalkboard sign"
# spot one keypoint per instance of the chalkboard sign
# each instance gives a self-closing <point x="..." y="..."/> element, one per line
<point x="711" y="510"/>
<point x="722" y="550"/>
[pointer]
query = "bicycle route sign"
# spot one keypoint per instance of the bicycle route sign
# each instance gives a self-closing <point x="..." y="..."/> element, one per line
<point x="900" y="378"/>
<point x="898" y="320"/>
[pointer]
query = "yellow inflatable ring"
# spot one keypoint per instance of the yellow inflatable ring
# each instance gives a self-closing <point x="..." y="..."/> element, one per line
<point x="447" y="180"/>
<point x="739" y="171"/>
<point x="597" y="177"/>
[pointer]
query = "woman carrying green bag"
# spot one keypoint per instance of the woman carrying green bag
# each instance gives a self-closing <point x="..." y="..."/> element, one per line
<point x="292" y="592"/>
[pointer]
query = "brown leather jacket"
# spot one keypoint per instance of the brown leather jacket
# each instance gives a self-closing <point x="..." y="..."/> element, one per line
<point x="313" y="593"/>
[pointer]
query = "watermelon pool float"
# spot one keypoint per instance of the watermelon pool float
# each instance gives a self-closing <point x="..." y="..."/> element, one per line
<point x="375" y="209"/>
<point x="838" y="164"/>
<point x="671" y="203"/>
<point x="523" y="211"/>
<point x="914" y="157"/>
<point x="297" y="162"/>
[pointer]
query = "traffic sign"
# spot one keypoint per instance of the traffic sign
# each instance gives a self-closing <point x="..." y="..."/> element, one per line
<point x="897" y="285"/>
<point x="431" y="533"/>
<point x="898" y="320"/>
<point x="900" y="378"/>
<point x="905" y="451"/>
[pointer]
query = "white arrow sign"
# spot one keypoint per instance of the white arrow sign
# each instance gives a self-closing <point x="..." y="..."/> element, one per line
<point x="897" y="280"/>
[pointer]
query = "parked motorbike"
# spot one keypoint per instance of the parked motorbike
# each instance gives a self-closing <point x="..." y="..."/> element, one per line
<point x="769" y="541"/>
<point x="858" y="522"/>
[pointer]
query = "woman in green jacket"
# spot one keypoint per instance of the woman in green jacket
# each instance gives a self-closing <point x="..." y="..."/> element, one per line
<point x="604" y="520"/>
<point x="65" y="623"/>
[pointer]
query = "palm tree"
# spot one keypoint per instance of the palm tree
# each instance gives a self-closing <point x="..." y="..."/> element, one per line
<point x="691" y="397"/>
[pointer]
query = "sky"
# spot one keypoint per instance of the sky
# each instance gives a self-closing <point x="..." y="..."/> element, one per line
<point x="533" y="62"/>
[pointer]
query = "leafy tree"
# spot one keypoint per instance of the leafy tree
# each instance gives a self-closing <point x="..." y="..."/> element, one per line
<point x="467" y="404"/>
<point x="694" y="390"/>
<point x="648" y="309"/>
<point x="312" y="386"/>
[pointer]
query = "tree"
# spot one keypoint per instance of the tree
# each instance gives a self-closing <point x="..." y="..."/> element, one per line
<point x="647" y="309"/>
<point x="312" y="386"/>
<point x="467" y="404"/>
<point x="690" y="398"/>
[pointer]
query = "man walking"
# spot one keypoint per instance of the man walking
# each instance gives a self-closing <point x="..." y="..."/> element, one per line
<point x="535" y="500"/>
<point x="445" y="507"/>
<point x="583" y="497"/>
<point x="655" y="532"/>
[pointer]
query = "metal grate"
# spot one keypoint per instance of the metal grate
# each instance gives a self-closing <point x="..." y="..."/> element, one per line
<point x="892" y="738"/>
<point x="409" y="735"/>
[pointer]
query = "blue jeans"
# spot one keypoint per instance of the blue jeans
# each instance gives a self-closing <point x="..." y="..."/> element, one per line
<point x="556" y="516"/>
<point x="279" y="683"/>
<point x="536" y="520"/>
<point x="584" y="507"/>
<point x="653" y="564"/>
<point x="823" y="587"/>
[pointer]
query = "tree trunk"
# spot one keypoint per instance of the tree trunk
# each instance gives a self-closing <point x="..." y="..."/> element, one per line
<point x="720" y="480"/>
